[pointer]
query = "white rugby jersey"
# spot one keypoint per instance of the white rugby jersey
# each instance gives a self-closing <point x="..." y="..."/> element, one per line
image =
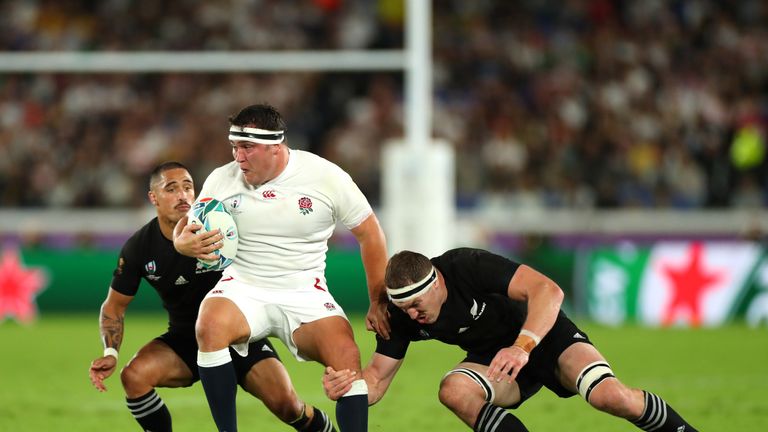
<point x="284" y="225"/>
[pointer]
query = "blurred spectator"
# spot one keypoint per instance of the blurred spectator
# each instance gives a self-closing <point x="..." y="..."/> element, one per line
<point x="549" y="104"/>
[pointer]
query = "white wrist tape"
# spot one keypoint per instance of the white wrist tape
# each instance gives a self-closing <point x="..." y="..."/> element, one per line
<point x="531" y="335"/>
<point x="110" y="352"/>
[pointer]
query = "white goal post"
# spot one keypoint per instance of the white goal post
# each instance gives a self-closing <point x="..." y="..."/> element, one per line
<point x="414" y="61"/>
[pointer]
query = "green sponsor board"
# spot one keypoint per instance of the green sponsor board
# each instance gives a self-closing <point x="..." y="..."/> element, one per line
<point x="668" y="283"/>
<point x="612" y="281"/>
<point x="677" y="283"/>
<point x="78" y="280"/>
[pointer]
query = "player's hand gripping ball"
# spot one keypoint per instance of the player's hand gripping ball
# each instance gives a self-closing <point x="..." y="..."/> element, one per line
<point x="211" y="214"/>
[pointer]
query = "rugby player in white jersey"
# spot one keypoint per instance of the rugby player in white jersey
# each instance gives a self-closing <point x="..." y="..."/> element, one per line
<point x="170" y="360"/>
<point x="286" y="204"/>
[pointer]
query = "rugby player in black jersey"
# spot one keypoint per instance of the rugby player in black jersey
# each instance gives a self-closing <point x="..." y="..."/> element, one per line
<point x="507" y="318"/>
<point x="170" y="360"/>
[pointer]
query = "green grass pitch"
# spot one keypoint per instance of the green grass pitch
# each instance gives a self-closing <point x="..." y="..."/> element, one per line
<point x="717" y="378"/>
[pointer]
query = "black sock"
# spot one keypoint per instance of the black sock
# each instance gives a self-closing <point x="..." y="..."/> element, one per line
<point x="220" y="385"/>
<point x="660" y="417"/>
<point x="150" y="411"/>
<point x="352" y="413"/>
<point x="496" y="418"/>
<point x="319" y="423"/>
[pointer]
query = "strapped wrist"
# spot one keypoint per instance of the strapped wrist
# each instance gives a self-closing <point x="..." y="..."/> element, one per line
<point x="527" y="340"/>
<point x="532" y="335"/>
<point x="111" y="352"/>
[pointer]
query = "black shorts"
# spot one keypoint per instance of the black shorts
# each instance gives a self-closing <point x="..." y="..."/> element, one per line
<point x="541" y="369"/>
<point x="185" y="346"/>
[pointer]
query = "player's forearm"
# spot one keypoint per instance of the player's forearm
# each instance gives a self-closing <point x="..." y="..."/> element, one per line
<point x="111" y="325"/>
<point x="543" y="308"/>
<point x="376" y="387"/>
<point x="378" y="375"/>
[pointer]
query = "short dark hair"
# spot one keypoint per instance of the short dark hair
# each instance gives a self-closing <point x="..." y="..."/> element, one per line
<point x="262" y="116"/>
<point x="405" y="268"/>
<point x="154" y="176"/>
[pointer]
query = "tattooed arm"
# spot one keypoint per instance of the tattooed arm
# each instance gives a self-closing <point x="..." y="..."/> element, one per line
<point x="111" y="320"/>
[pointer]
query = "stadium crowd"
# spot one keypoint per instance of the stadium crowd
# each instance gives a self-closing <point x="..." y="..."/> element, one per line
<point x="549" y="104"/>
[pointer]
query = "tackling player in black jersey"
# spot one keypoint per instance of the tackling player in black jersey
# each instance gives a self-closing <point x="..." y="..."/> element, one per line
<point x="507" y="318"/>
<point x="170" y="360"/>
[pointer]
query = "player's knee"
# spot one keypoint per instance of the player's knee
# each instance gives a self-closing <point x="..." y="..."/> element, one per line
<point x="344" y="355"/>
<point x="202" y="331"/>
<point x="134" y="376"/>
<point x="219" y="323"/>
<point x="598" y="385"/>
<point x="459" y="387"/>
<point x="350" y="352"/>
<point x="449" y="393"/>
<point x="614" y="398"/>
<point x="210" y="332"/>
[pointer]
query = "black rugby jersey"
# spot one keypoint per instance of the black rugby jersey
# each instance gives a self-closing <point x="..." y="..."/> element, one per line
<point x="178" y="279"/>
<point x="478" y="314"/>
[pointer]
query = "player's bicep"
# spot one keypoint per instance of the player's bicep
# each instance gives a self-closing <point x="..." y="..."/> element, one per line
<point x="368" y="227"/>
<point x="524" y="281"/>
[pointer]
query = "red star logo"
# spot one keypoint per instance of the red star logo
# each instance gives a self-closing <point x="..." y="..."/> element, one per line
<point x="688" y="285"/>
<point x="18" y="287"/>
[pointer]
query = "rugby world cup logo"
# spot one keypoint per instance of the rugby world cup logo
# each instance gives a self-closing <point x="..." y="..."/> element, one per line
<point x="234" y="204"/>
<point x="150" y="267"/>
<point x="305" y="205"/>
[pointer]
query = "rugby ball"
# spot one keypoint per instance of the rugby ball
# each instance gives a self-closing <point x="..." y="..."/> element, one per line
<point x="212" y="214"/>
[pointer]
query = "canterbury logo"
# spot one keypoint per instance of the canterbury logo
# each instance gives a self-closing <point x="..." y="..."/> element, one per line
<point x="317" y="284"/>
<point x="269" y="194"/>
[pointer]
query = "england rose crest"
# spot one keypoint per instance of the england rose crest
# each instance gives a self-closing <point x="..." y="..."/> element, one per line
<point x="305" y="205"/>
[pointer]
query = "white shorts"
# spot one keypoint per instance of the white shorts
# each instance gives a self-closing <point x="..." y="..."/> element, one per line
<point x="278" y="312"/>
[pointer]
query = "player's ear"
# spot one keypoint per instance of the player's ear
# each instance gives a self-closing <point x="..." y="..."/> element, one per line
<point x="152" y="198"/>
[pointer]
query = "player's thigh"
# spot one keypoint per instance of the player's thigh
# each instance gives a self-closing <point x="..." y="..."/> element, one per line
<point x="159" y="365"/>
<point x="329" y="341"/>
<point x="574" y="360"/>
<point x="471" y="379"/>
